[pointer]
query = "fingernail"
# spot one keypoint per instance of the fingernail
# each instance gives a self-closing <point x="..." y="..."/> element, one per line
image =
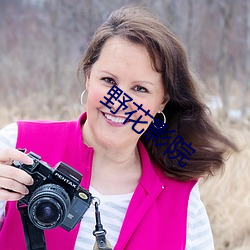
<point x="26" y="192"/>
<point x="30" y="161"/>
<point x="31" y="181"/>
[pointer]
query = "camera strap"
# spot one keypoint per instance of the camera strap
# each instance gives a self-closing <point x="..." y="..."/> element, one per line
<point x="101" y="242"/>
<point x="34" y="236"/>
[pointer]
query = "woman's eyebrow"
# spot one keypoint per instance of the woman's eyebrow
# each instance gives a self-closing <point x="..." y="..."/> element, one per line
<point x="107" y="72"/>
<point x="142" y="81"/>
<point x="136" y="81"/>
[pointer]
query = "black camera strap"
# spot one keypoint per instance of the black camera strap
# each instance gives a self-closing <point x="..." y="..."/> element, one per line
<point x="101" y="242"/>
<point x="34" y="236"/>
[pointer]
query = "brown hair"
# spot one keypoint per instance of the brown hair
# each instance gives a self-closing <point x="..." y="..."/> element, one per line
<point x="185" y="113"/>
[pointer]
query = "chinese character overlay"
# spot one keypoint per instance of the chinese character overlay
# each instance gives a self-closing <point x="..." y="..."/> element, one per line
<point x="177" y="153"/>
<point x="156" y="130"/>
<point x="114" y="93"/>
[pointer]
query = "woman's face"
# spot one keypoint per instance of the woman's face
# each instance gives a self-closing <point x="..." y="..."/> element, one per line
<point x="127" y="66"/>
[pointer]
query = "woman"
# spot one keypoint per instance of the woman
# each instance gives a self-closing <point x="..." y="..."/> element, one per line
<point x="134" y="69"/>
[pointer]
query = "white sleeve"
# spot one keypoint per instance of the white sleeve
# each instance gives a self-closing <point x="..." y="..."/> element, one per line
<point x="8" y="139"/>
<point x="8" y="136"/>
<point x="199" y="233"/>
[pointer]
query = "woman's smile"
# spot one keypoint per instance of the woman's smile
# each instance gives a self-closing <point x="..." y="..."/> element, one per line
<point x="114" y="120"/>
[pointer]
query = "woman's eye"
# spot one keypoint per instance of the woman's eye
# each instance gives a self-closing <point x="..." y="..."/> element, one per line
<point x="141" y="89"/>
<point x="108" y="80"/>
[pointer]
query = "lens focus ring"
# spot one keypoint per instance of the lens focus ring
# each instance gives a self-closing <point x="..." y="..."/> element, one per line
<point x="48" y="206"/>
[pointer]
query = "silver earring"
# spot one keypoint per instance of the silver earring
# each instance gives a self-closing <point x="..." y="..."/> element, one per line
<point x="82" y="96"/>
<point x="164" y="120"/>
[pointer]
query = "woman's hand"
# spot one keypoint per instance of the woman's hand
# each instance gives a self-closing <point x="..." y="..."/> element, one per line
<point x="13" y="181"/>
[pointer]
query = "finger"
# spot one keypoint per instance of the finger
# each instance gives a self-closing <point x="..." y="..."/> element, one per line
<point x="9" y="196"/>
<point x="14" y="186"/>
<point x="10" y="154"/>
<point x="16" y="174"/>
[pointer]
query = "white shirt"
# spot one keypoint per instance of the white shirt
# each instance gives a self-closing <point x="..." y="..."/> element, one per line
<point x="113" y="209"/>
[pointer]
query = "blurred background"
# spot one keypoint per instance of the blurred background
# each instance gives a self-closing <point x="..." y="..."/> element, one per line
<point x="42" y="41"/>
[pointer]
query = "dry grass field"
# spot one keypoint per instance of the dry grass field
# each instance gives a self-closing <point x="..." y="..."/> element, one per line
<point x="226" y="196"/>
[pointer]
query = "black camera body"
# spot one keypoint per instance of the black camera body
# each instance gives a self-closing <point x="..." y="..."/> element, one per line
<point x="55" y="198"/>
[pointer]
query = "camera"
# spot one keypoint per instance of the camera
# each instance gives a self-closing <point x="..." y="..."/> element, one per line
<point x="55" y="198"/>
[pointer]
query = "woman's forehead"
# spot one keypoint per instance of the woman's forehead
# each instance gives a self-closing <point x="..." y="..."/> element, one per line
<point x="117" y="48"/>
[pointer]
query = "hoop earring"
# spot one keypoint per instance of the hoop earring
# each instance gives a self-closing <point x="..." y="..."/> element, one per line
<point x="82" y="96"/>
<point x="164" y="118"/>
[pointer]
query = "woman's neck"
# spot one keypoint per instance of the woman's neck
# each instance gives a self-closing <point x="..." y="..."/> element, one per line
<point x="118" y="154"/>
<point x="115" y="170"/>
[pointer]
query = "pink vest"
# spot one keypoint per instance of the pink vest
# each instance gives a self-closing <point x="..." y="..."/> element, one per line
<point x="157" y="214"/>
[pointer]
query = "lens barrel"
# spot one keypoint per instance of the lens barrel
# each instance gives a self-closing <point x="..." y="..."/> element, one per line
<point x="48" y="206"/>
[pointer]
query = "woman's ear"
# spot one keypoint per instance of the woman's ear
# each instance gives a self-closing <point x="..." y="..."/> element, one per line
<point x="164" y="102"/>
<point x="87" y="76"/>
<point x="87" y="83"/>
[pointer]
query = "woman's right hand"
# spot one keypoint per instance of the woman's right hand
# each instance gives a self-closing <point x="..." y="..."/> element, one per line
<point x="13" y="181"/>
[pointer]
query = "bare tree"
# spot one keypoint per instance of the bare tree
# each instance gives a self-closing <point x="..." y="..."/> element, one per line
<point x="55" y="39"/>
<point x="189" y="27"/>
<point x="172" y="12"/>
<point x="246" y="83"/>
<point x="226" y="10"/>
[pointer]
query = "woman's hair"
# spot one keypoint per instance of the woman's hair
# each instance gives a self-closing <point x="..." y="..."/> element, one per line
<point x="186" y="114"/>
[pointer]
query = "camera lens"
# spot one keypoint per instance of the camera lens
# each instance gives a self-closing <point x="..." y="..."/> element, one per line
<point x="47" y="212"/>
<point x="48" y="206"/>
